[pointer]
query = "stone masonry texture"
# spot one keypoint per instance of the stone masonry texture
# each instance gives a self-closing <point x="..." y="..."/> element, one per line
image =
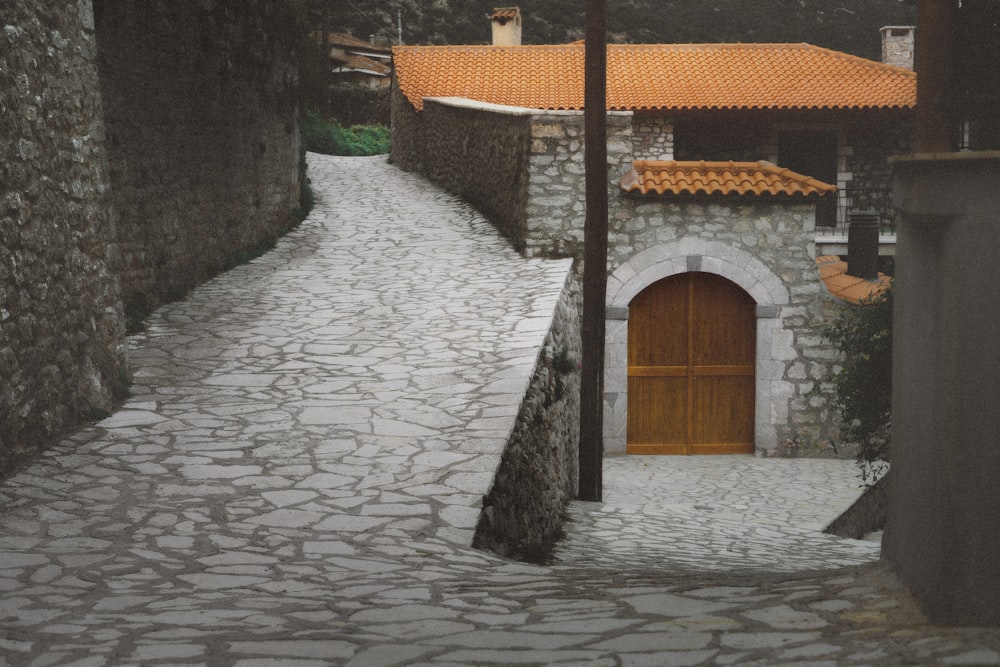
<point x="200" y="106"/>
<point x="523" y="512"/>
<point x="144" y="147"/>
<point x="61" y="333"/>
<point x="545" y="218"/>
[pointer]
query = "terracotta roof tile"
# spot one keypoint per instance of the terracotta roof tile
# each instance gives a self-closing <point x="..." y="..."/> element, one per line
<point x="656" y="76"/>
<point x="719" y="178"/>
<point x="364" y="63"/>
<point x="504" y="14"/>
<point x="353" y="43"/>
<point x="833" y="273"/>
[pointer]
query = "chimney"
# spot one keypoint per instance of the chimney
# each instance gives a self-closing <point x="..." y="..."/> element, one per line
<point x="862" y="244"/>
<point x="897" y="45"/>
<point x="506" y="26"/>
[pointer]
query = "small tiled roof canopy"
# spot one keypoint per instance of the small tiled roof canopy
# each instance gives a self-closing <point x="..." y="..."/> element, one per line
<point x="656" y="177"/>
<point x="364" y="64"/>
<point x="504" y="14"/>
<point x="351" y="42"/>
<point x="833" y="273"/>
<point x="657" y="76"/>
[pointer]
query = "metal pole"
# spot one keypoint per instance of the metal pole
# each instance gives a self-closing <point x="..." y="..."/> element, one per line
<point x="595" y="252"/>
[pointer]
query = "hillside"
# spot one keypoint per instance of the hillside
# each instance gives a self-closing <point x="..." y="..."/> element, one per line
<point x="845" y="25"/>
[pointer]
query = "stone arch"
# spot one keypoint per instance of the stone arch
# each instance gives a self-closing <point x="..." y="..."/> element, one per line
<point x="774" y="341"/>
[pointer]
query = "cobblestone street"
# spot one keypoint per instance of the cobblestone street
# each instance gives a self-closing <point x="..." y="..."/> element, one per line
<point x="296" y="478"/>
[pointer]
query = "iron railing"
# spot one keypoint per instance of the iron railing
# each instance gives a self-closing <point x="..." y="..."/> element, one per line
<point x="830" y="222"/>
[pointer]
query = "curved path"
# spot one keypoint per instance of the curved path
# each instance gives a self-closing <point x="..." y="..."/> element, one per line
<point x="296" y="476"/>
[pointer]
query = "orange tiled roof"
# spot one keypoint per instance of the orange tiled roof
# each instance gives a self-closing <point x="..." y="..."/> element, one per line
<point x="656" y="76"/>
<point x="719" y="178"/>
<point x="833" y="273"/>
<point x="353" y="43"/>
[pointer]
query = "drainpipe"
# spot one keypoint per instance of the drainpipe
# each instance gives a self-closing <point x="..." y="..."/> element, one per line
<point x="862" y="244"/>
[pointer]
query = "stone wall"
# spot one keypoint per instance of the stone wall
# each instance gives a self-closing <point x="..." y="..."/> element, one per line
<point x="556" y="192"/>
<point x="481" y="158"/>
<point x="539" y="472"/>
<point x="766" y="246"/>
<point x="201" y="112"/>
<point x="145" y="147"/>
<point x="62" y="354"/>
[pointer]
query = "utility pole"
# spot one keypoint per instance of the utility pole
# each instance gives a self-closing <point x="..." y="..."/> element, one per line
<point x="595" y="253"/>
<point x="327" y="65"/>
<point x="399" y="26"/>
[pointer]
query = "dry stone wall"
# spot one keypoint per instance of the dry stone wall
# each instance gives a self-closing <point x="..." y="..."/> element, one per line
<point x="480" y="157"/>
<point x="201" y="110"/>
<point x="62" y="355"/>
<point x="142" y="147"/>
<point x="539" y="472"/>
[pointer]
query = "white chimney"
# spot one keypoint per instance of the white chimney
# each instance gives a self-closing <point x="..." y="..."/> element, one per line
<point x="897" y="45"/>
<point x="506" y="26"/>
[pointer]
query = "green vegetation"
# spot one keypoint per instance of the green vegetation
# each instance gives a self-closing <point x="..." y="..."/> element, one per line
<point x="328" y="137"/>
<point x="863" y="387"/>
<point x="851" y="26"/>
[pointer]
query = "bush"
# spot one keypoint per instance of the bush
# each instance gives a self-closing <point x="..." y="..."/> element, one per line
<point x="355" y="105"/>
<point x="863" y="387"/>
<point x="328" y="137"/>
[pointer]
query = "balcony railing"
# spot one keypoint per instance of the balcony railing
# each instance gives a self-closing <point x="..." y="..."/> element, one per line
<point x="831" y="217"/>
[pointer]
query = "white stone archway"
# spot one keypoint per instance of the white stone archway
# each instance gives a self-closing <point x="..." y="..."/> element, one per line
<point x="774" y="342"/>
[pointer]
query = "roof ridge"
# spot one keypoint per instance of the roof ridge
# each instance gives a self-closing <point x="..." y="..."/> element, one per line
<point x="702" y="76"/>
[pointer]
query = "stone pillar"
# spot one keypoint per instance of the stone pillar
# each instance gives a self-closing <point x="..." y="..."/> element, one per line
<point x="943" y="529"/>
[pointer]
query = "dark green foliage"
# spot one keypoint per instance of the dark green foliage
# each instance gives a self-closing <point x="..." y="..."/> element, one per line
<point x="328" y="137"/>
<point x="863" y="387"/>
<point x="357" y="105"/>
<point x="851" y="26"/>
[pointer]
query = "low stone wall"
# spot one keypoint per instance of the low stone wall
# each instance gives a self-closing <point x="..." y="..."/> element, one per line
<point x="62" y="341"/>
<point x="539" y="472"/>
<point x="479" y="153"/>
<point x="475" y="150"/>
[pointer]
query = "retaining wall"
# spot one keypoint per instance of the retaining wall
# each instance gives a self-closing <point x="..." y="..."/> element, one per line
<point x="201" y="112"/>
<point x="539" y="472"/>
<point x="62" y="345"/>
<point x="144" y="147"/>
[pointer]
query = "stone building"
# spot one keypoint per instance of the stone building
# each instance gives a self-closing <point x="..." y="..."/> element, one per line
<point x="723" y="159"/>
<point x="355" y="61"/>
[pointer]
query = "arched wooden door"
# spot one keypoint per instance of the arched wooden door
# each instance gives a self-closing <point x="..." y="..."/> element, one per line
<point x="691" y="354"/>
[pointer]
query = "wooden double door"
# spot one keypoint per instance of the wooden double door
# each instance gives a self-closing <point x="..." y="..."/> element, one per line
<point x="691" y="357"/>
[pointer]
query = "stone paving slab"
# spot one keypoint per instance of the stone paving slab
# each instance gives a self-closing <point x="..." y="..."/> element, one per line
<point x="718" y="514"/>
<point x="296" y="476"/>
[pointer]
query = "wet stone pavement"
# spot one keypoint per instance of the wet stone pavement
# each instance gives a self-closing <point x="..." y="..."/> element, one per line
<point x="296" y="478"/>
